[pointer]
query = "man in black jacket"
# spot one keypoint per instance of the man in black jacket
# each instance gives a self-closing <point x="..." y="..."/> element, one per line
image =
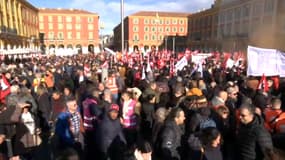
<point x="171" y="135"/>
<point x="109" y="136"/>
<point x="254" y="141"/>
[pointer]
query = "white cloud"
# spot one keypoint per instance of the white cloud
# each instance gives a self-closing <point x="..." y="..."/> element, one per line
<point x="109" y="10"/>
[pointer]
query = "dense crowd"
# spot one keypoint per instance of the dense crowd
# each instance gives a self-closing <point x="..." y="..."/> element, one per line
<point x="94" y="107"/>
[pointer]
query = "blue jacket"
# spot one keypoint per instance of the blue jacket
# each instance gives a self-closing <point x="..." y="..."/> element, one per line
<point x="62" y="129"/>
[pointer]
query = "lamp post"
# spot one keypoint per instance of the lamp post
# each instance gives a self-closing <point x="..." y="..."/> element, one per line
<point x="156" y="22"/>
<point x="173" y="44"/>
<point x="122" y="25"/>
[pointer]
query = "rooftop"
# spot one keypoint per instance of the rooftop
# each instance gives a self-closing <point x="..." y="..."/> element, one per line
<point x="160" y="14"/>
<point x="64" y="11"/>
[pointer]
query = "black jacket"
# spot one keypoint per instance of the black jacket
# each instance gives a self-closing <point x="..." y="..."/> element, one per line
<point x="253" y="140"/>
<point x="109" y="134"/>
<point x="171" y="141"/>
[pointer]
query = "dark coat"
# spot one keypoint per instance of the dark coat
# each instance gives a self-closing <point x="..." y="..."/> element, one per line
<point x="109" y="134"/>
<point x="171" y="141"/>
<point x="44" y="106"/>
<point x="253" y="140"/>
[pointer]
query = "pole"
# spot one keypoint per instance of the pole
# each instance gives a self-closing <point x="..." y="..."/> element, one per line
<point x="122" y="25"/>
<point x="173" y="45"/>
<point x="166" y="42"/>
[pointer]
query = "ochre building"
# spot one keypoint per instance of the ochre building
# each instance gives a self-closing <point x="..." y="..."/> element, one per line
<point x="18" y="25"/>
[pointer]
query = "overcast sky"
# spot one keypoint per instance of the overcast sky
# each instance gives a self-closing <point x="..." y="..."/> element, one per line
<point x="109" y="10"/>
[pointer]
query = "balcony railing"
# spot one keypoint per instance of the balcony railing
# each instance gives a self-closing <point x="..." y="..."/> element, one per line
<point x="4" y="29"/>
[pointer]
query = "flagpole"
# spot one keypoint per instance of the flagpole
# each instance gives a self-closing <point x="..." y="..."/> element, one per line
<point x="122" y="25"/>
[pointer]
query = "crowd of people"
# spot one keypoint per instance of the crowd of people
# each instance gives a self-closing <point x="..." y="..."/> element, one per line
<point x="130" y="112"/>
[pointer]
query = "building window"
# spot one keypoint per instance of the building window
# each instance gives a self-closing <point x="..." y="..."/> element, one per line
<point x="136" y="37"/>
<point x="49" y="18"/>
<point x="153" y="29"/>
<point x="69" y="35"/>
<point x="78" y="26"/>
<point x="41" y="26"/>
<point x="90" y="26"/>
<point x="60" y="26"/>
<point x="146" y="37"/>
<point x="167" y="29"/>
<point x="135" y="28"/>
<point x="174" y="29"/>
<point x="146" y="21"/>
<point x="160" y="29"/>
<point x="90" y="19"/>
<point x="153" y="37"/>
<point x="78" y="19"/>
<point x="78" y="36"/>
<point x="50" y="35"/>
<point x="237" y="14"/>
<point x="41" y="18"/>
<point x="135" y="21"/>
<point x="174" y="21"/>
<point x="146" y="29"/>
<point x="229" y="15"/>
<point x="90" y="35"/>
<point x="50" y="26"/>
<point x="181" y="30"/>
<point x="167" y="21"/>
<point x="269" y="6"/>
<point x="69" y="26"/>
<point x="59" y="19"/>
<point x="161" y="21"/>
<point x="68" y="19"/>
<point x="246" y="11"/>
<point x="160" y="37"/>
<point x="222" y="18"/>
<point x="181" y="21"/>
<point x="257" y="9"/>
<point x="60" y="35"/>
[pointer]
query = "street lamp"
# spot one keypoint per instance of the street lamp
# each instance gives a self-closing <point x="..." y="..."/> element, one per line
<point x="156" y="22"/>
<point x="122" y="25"/>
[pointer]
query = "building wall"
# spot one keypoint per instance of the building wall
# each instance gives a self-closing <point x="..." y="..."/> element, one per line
<point x="202" y="30"/>
<point x="18" y="24"/>
<point x="69" y="29"/>
<point x="252" y="22"/>
<point x="142" y="31"/>
<point x="151" y="31"/>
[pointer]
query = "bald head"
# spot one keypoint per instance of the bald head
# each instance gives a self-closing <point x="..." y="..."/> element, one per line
<point x="223" y="95"/>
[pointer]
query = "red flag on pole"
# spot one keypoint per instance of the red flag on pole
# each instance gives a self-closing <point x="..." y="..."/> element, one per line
<point x="263" y="85"/>
<point x="5" y="88"/>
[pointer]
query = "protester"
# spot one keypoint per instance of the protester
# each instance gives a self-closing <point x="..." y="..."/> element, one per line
<point x="171" y="135"/>
<point x="253" y="140"/>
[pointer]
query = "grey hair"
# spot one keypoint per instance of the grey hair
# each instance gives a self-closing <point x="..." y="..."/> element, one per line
<point x="161" y="114"/>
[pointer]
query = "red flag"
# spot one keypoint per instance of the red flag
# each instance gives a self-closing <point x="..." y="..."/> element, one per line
<point x="275" y="81"/>
<point x="5" y="88"/>
<point x="263" y="84"/>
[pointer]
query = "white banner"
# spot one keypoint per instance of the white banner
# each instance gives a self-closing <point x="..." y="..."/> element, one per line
<point x="262" y="61"/>
<point x="181" y="64"/>
<point x="282" y="64"/>
<point x="200" y="57"/>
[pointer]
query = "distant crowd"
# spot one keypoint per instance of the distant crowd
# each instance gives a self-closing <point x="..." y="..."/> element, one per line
<point x="95" y="107"/>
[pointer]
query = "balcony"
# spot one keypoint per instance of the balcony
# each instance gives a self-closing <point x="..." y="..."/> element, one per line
<point x="8" y="31"/>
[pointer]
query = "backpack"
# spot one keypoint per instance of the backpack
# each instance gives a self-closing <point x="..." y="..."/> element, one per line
<point x="88" y="117"/>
